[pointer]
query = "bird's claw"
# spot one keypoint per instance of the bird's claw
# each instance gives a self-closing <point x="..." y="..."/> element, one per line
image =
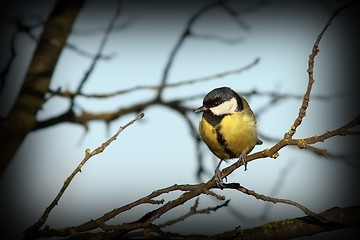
<point x="242" y="159"/>
<point x="218" y="179"/>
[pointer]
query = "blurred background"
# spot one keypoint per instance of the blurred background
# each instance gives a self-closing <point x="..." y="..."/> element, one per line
<point x="160" y="150"/>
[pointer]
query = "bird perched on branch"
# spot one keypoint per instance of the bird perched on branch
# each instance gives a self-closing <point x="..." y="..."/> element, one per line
<point x="228" y="127"/>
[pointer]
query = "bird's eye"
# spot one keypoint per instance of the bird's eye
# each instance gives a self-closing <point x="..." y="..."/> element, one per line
<point x="212" y="103"/>
<point x="215" y="103"/>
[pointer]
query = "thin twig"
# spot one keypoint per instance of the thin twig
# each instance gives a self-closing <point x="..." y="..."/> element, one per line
<point x="84" y="53"/>
<point x="193" y="210"/>
<point x="310" y="70"/>
<point x="216" y="76"/>
<point x="279" y="200"/>
<point x="234" y="15"/>
<point x="68" y="180"/>
<point x="214" y="37"/>
<point x="185" y="33"/>
<point x="99" y="54"/>
<point x="278" y="184"/>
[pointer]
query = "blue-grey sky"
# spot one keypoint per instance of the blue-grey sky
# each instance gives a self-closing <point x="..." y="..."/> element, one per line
<point x="158" y="151"/>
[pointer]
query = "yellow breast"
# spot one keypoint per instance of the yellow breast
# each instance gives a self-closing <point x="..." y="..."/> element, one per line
<point x="236" y="133"/>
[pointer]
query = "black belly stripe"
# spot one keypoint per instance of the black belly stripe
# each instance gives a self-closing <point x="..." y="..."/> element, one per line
<point x="222" y="142"/>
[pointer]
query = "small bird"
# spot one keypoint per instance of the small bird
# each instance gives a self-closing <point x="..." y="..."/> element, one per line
<point x="228" y="127"/>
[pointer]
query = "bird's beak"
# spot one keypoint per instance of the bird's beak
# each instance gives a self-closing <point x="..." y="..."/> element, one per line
<point x="201" y="109"/>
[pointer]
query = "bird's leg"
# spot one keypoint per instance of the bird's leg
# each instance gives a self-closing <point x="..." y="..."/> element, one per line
<point x="242" y="159"/>
<point x="218" y="178"/>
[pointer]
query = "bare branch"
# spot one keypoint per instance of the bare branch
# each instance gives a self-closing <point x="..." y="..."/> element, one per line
<point x="299" y="227"/>
<point x="85" y="53"/>
<point x="22" y="117"/>
<point x="281" y="180"/>
<point x="278" y="200"/>
<point x="214" y="37"/>
<point x="85" y="117"/>
<point x="339" y="218"/>
<point x="193" y="211"/>
<point x="310" y="70"/>
<point x="32" y="230"/>
<point x="99" y="51"/>
<point x="186" y="32"/>
<point x="216" y="76"/>
<point x="99" y="30"/>
<point x="234" y="15"/>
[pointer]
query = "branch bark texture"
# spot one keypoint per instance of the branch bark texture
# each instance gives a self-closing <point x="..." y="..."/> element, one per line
<point x="22" y="117"/>
<point x="299" y="227"/>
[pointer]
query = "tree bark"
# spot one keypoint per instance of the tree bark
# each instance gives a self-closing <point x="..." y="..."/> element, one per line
<point x="22" y="117"/>
<point x="335" y="218"/>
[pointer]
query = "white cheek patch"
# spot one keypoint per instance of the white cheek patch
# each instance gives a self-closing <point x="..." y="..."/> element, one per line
<point x="225" y="108"/>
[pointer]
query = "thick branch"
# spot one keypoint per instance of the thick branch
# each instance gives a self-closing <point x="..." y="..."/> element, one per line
<point x="86" y="117"/>
<point x="340" y="218"/>
<point x="21" y="119"/>
<point x="299" y="227"/>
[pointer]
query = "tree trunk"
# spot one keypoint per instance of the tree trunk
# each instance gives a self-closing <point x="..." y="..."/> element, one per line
<point x="22" y="117"/>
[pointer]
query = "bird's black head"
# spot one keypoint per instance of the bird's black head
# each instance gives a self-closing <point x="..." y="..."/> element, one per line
<point x="219" y="103"/>
<point x="217" y="96"/>
<point x="220" y="95"/>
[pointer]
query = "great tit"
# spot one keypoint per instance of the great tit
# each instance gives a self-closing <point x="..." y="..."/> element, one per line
<point x="228" y="127"/>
